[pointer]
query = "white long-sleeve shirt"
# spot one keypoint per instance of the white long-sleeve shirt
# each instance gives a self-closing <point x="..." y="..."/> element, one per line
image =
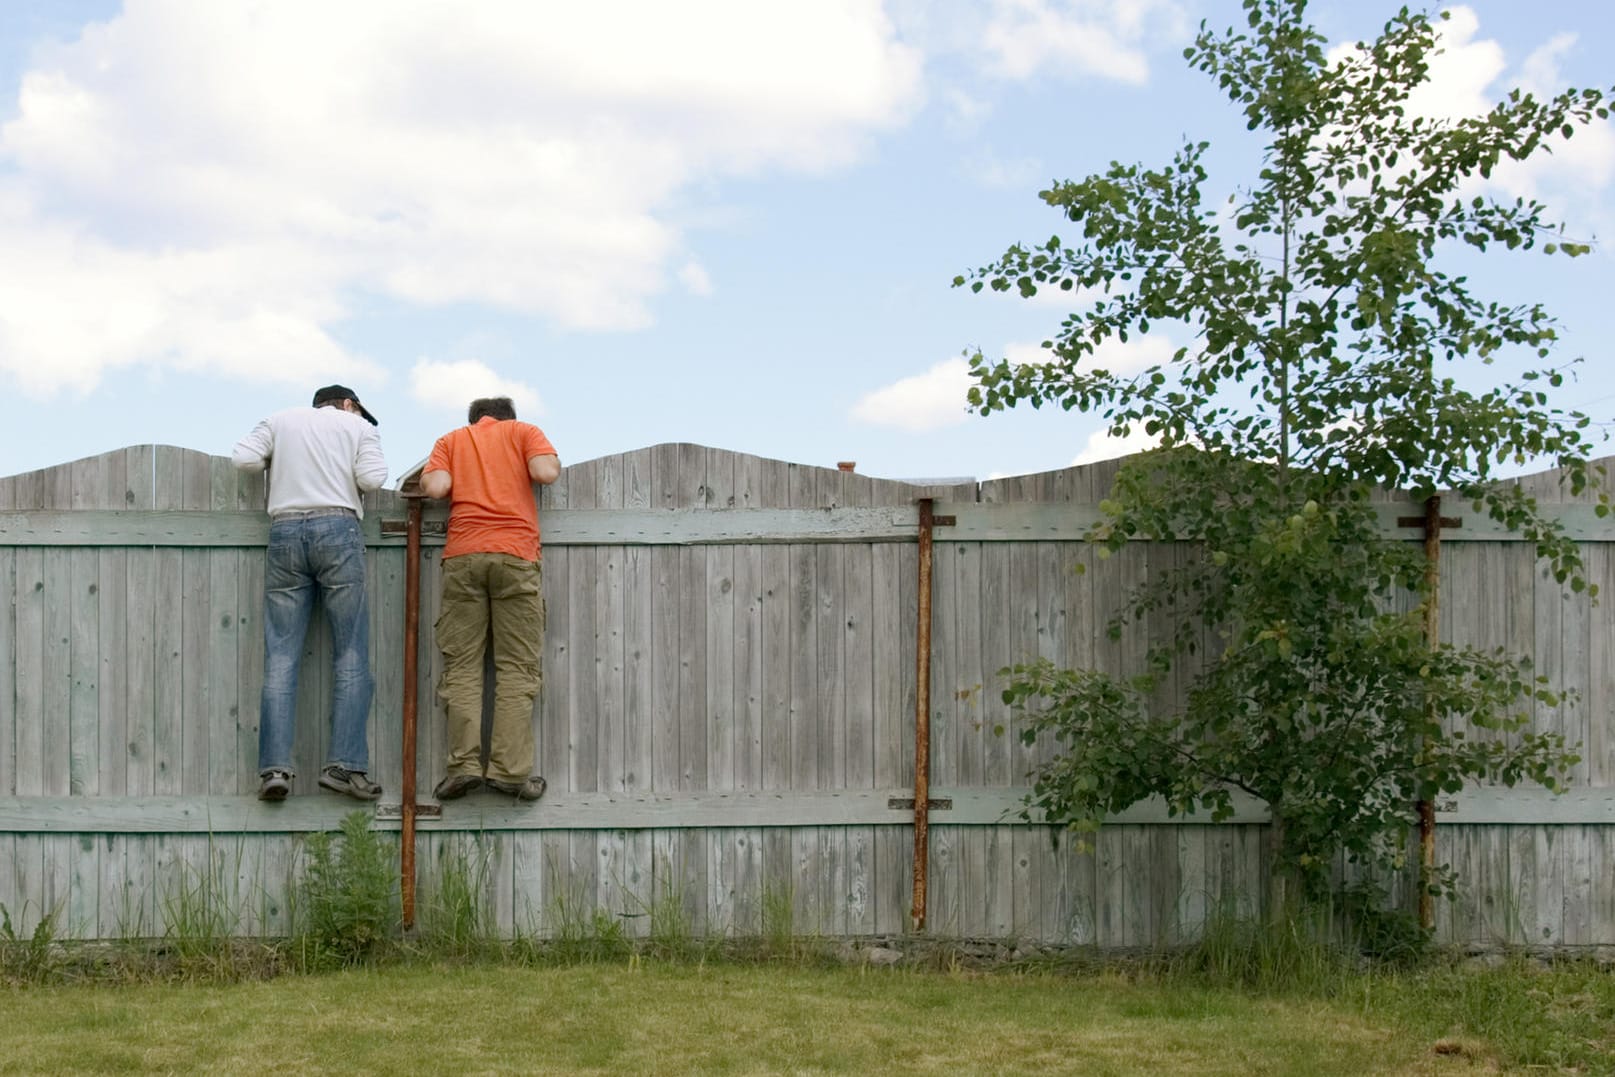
<point x="318" y="458"/>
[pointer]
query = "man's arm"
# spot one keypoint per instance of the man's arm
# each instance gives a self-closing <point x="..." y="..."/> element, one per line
<point x="252" y="452"/>
<point x="543" y="469"/>
<point x="436" y="483"/>
<point x="369" y="466"/>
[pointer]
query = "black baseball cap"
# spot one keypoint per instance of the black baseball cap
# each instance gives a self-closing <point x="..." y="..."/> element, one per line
<point x="333" y="393"/>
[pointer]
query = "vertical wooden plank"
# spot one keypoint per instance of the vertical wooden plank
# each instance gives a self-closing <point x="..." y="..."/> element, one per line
<point x="498" y="857"/>
<point x="638" y="637"/>
<point x="114" y="907"/>
<point x="611" y="604"/>
<point x="830" y="731"/>
<point x="1603" y="869"/>
<point x="613" y="895"/>
<point x="109" y="569"/>
<point x="666" y="773"/>
<point x="386" y="568"/>
<point x="195" y="630"/>
<point x="692" y="492"/>
<point x="56" y="647"/>
<point x="223" y="669"/>
<point x="777" y="622"/>
<point x="30" y="647"/>
<point x="527" y="883"/>
<point x="556" y="705"/>
<point x="1193" y="905"/>
<point x="84" y="645"/>
<point x="859" y="678"/>
<point x="1600" y="700"/>
<point x="894" y="851"/>
<point x="969" y="683"/>
<point x="8" y="677"/>
<point x="583" y="680"/>
<point x="59" y="863"/>
<point x="748" y="665"/>
<point x="168" y="633"/>
<point x="431" y="744"/>
<point x="777" y="888"/>
<point x="720" y="601"/>
<point x="747" y="847"/>
<point x="10" y="890"/>
<point x="892" y="670"/>
<point x="724" y="606"/>
<point x="84" y="669"/>
<point x="997" y="640"/>
<point x="26" y="886"/>
<point x="1027" y="636"/>
<point x="943" y="894"/>
<point x="561" y="903"/>
<point x="137" y="901"/>
<point x="1110" y="922"/>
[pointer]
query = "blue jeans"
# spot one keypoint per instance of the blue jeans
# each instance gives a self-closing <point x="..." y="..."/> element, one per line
<point x="318" y="555"/>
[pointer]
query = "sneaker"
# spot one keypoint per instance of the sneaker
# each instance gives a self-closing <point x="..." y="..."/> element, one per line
<point x="531" y="789"/>
<point x="351" y="782"/>
<point x="276" y="785"/>
<point x="455" y="786"/>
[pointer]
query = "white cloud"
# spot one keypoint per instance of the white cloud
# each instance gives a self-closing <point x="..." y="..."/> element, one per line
<point x="693" y="276"/>
<point x="1017" y="174"/>
<point x="1469" y="74"/>
<point x="1460" y="70"/>
<point x="1106" y="38"/>
<point x="210" y="181"/>
<point x="1121" y="358"/>
<point x="923" y="402"/>
<point x="965" y="112"/>
<point x="936" y="398"/>
<point x="452" y="385"/>
<point x="1101" y="446"/>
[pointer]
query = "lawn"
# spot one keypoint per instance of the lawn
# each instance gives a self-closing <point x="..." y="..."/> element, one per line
<point x="652" y="1018"/>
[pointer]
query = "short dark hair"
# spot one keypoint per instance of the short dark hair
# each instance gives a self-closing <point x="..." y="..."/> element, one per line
<point x="494" y="407"/>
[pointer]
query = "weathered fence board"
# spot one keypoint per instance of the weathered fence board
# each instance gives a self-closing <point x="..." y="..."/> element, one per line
<point x="727" y="713"/>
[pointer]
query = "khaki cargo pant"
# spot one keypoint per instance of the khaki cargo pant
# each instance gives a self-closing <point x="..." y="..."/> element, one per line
<point x="483" y="590"/>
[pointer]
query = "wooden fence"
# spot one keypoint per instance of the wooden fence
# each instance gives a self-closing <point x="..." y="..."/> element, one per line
<point x="728" y="714"/>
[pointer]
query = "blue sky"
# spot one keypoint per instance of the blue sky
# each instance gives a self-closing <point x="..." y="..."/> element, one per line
<point x="719" y="221"/>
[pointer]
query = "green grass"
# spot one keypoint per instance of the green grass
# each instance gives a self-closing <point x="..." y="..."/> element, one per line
<point x="700" y="1019"/>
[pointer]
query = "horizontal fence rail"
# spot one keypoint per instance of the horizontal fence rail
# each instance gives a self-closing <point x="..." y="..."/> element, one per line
<point x="961" y="522"/>
<point x="683" y="811"/>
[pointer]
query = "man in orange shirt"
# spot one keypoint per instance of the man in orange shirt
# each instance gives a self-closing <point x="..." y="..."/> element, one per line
<point x="491" y="578"/>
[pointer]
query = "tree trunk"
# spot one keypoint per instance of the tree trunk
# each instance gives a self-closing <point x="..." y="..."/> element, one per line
<point x="1282" y="885"/>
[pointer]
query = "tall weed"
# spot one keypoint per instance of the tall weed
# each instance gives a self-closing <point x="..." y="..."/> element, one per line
<point x="348" y="898"/>
<point x="30" y="957"/>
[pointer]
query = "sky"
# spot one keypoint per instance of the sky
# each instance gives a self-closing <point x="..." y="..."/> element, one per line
<point x="729" y="222"/>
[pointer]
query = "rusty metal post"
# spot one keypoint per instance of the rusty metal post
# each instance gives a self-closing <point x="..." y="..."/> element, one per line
<point x="412" y="627"/>
<point x="1432" y="636"/>
<point x="922" y="720"/>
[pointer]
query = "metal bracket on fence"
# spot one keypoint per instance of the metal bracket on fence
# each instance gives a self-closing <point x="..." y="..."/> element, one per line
<point x="932" y="804"/>
<point x="1448" y="523"/>
<point x="944" y="521"/>
<point x="396" y="811"/>
<point x="401" y="527"/>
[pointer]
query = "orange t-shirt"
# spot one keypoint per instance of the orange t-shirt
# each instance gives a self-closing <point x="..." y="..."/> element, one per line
<point x="491" y="494"/>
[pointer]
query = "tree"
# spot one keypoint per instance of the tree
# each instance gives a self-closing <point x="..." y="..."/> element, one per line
<point x="1329" y="358"/>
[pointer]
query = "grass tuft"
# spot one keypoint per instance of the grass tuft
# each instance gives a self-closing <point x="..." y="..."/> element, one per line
<point x="348" y="899"/>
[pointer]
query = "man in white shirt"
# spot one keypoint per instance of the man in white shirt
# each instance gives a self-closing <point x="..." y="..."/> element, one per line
<point x="320" y="459"/>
